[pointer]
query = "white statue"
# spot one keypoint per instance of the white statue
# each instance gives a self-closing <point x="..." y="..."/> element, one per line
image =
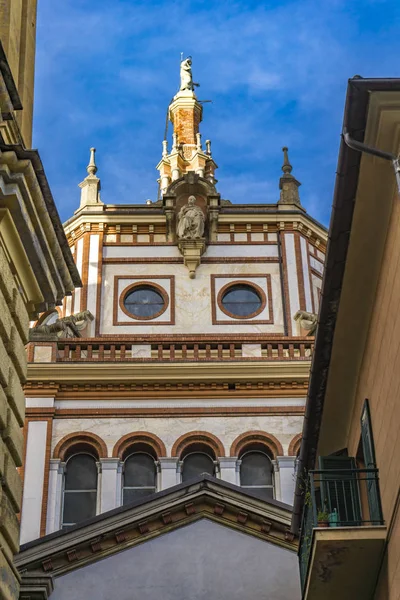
<point x="190" y="221"/>
<point x="186" y="75"/>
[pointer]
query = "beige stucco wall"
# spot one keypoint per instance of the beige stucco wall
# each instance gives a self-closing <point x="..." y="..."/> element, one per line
<point x="379" y="381"/>
<point x="18" y="36"/>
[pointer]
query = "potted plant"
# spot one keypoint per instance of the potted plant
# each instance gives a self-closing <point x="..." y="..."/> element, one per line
<point x="323" y="518"/>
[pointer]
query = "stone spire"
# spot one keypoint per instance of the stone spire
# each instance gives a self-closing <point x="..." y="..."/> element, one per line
<point x="90" y="187"/>
<point x="185" y="113"/>
<point x="288" y="184"/>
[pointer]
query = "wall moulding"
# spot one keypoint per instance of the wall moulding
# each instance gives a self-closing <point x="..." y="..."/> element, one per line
<point x="245" y="279"/>
<point x="118" y="413"/>
<point x="169" y="372"/>
<point x="151" y="281"/>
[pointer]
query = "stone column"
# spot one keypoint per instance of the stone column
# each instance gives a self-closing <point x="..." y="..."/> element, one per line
<point x="286" y="465"/>
<point x="110" y="494"/>
<point x="228" y="471"/>
<point x="169" y="472"/>
<point x="54" y="500"/>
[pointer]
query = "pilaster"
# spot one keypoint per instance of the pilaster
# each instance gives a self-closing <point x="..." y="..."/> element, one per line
<point x="54" y="501"/>
<point x="169" y="472"/>
<point x="228" y="469"/>
<point x="286" y="466"/>
<point x="110" y="468"/>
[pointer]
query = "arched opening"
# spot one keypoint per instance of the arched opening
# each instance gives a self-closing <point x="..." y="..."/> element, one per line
<point x="198" y="459"/>
<point x="139" y="474"/>
<point x="80" y="486"/>
<point x="256" y="472"/>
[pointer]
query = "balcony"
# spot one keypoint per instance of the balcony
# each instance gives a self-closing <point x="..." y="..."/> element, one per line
<point x="342" y="535"/>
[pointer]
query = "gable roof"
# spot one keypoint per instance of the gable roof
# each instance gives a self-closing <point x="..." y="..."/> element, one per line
<point x="124" y="527"/>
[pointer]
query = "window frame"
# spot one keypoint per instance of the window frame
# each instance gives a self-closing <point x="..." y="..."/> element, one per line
<point x="64" y="491"/>
<point x="144" y="284"/>
<point x="258" y="487"/>
<point x="123" y="487"/>
<point x="232" y="284"/>
<point x="210" y="456"/>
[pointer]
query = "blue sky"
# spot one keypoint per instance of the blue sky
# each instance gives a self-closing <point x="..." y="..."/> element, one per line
<point x="276" y="73"/>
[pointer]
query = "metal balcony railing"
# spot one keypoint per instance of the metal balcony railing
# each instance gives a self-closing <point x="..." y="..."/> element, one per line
<point x="337" y="498"/>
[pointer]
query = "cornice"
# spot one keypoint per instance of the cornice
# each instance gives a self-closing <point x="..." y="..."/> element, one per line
<point x="99" y="373"/>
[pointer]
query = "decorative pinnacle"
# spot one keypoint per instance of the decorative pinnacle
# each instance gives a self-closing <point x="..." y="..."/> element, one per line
<point x="286" y="167"/>
<point x="91" y="168"/>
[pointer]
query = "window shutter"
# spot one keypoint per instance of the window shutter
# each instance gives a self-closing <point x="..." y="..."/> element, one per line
<point x="339" y="490"/>
<point x="374" y="500"/>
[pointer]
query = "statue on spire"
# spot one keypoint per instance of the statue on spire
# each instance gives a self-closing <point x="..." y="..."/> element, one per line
<point x="187" y="82"/>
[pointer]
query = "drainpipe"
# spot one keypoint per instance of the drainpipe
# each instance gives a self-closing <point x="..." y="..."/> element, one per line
<point x="354" y="145"/>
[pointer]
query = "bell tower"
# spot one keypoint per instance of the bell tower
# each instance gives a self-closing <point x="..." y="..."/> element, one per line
<point x="187" y="154"/>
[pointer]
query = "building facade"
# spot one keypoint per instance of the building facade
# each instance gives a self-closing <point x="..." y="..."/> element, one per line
<point x="348" y="487"/>
<point x="36" y="272"/>
<point x="188" y="348"/>
<point x="18" y="38"/>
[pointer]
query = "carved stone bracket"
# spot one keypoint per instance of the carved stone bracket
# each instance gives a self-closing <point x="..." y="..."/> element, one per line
<point x="192" y="251"/>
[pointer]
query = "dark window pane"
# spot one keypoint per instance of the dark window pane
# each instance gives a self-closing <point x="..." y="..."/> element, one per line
<point x="196" y="464"/>
<point x="241" y="300"/>
<point x="79" y="506"/>
<point x="265" y="493"/>
<point x="81" y="473"/>
<point x="144" y="301"/>
<point x="256" y="469"/>
<point x="133" y="495"/>
<point x="139" y="471"/>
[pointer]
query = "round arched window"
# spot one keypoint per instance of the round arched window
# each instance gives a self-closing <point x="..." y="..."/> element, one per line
<point x="197" y="464"/>
<point x="143" y="301"/>
<point x="242" y="301"/>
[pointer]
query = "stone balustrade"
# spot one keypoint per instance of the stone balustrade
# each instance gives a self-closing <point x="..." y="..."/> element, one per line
<point x="184" y="349"/>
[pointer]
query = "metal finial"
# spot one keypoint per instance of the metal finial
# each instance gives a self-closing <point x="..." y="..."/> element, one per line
<point x="286" y="167"/>
<point x="91" y="168"/>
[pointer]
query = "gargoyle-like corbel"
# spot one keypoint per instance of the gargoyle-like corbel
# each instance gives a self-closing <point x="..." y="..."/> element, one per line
<point x="307" y="321"/>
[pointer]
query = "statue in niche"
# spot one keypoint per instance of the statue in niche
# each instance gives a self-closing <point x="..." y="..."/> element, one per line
<point x="186" y="75"/>
<point x="190" y="221"/>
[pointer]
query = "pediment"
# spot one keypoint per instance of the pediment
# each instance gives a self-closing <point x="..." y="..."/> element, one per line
<point x="122" y="529"/>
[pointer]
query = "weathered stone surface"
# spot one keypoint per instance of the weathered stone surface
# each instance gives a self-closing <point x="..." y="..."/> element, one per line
<point x="20" y="315"/>
<point x="7" y="282"/>
<point x="3" y="408"/>
<point x="2" y="458"/>
<point x="6" y="321"/>
<point x="12" y="483"/>
<point x="8" y="582"/>
<point x="9" y="525"/>
<point x="15" y="395"/>
<point x="13" y="438"/>
<point x="16" y="351"/>
<point x="4" y="364"/>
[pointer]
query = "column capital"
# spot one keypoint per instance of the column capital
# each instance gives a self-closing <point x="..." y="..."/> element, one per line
<point x="227" y="461"/>
<point x="109" y="463"/>
<point x="167" y="462"/>
<point x="286" y="461"/>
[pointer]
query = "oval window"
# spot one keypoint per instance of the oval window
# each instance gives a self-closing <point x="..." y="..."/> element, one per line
<point x="241" y="300"/>
<point x="144" y="302"/>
